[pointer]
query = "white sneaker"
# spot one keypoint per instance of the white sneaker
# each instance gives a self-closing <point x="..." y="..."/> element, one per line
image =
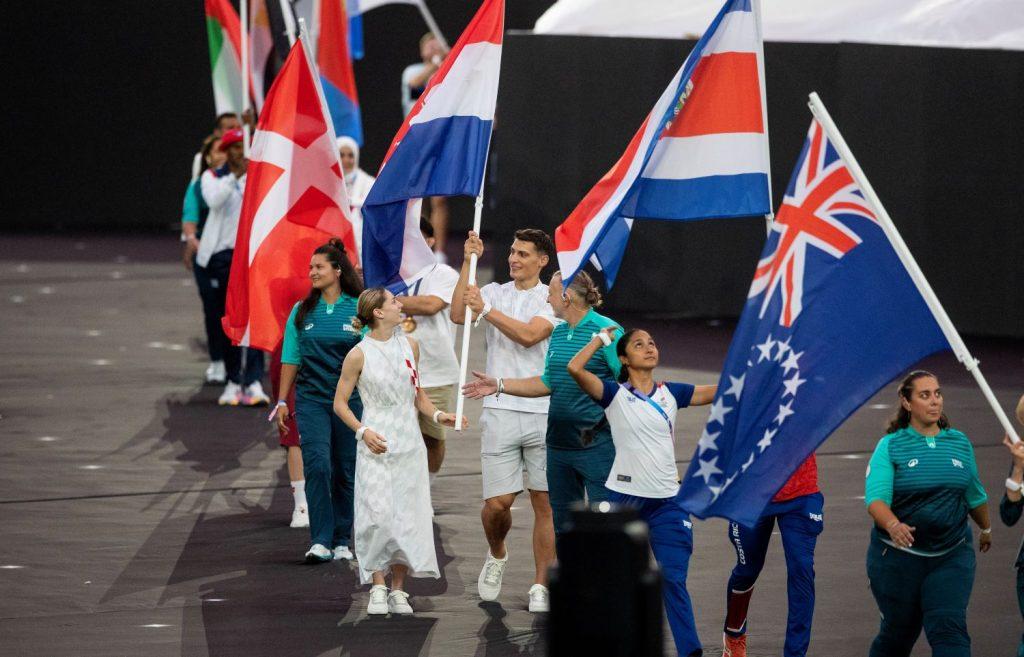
<point x="539" y="599"/>
<point x="398" y="603"/>
<point x="318" y="554"/>
<point x="254" y="395"/>
<point x="231" y="396"/>
<point x="300" y="517"/>
<point x="488" y="585"/>
<point x="378" y="604"/>
<point x="216" y="372"/>
<point x="342" y="552"/>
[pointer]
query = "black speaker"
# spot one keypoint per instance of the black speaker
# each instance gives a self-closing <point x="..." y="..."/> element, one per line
<point x="605" y="589"/>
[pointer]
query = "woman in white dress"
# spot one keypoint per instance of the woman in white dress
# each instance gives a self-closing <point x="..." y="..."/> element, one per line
<point x="393" y="528"/>
<point x="357" y="184"/>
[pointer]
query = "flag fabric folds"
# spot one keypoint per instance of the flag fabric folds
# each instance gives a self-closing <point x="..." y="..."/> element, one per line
<point x="832" y="315"/>
<point x="701" y="153"/>
<point x="336" y="76"/>
<point x="440" y="150"/>
<point x="294" y="201"/>
<point x="261" y="50"/>
<point x="223" y="30"/>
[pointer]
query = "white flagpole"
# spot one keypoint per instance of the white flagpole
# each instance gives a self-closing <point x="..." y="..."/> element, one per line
<point x="243" y="15"/>
<point x="768" y="218"/>
<point x="428" y="18"/>
<point x="289" y="20"/>
<point x="314" y="32"/>
<point x="952" y="336"/>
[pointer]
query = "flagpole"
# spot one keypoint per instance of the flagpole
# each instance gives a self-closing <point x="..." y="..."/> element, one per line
<point x="243" y="15"/>
<point x="314" y="32"/>
<point x="930" y="298"/>
<point x="289" y="21"/>
<point x="768" y="218"/>
<point x="428" y="18"/>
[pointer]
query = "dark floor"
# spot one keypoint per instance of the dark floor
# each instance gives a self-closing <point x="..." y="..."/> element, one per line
<point x="141" y="519"/>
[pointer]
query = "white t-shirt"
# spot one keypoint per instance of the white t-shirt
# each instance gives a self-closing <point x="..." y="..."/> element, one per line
<point x="436" y="333"/>
<point x="506" y="358"/>
<point x="645" y="461"/>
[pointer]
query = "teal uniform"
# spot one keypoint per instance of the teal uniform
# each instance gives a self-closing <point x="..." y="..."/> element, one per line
<point x="573" y="467"/>
<point x="930" y="483"/>
<point x="318" y="348"/>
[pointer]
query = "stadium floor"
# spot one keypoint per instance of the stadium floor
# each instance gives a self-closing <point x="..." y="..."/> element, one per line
<point x="138" y="518"/>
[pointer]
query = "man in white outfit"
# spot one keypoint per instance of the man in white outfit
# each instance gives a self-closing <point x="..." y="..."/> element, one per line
<point x="519" y="322"/>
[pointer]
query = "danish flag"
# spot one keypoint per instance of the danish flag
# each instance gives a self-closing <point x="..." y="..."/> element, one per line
<point x="821" y="189"/>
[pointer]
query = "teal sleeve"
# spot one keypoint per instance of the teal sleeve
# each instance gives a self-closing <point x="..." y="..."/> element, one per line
<point x="546" y="376"/>
<point x="609" y="353"/>
<point x="190" y="206"/>
<point x="975" y="493"/>
<point x="878" y="482"/>
<point x="290" y="354"/>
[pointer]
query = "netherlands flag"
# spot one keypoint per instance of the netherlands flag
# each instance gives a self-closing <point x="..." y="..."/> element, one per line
<point x="336" y="75"/>
<point x="701" y="153"/>
<point x="440" y="150"/>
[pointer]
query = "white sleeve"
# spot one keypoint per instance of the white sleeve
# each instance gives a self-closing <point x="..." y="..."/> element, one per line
<point x="489" y="293"/>
<point x="548" y="313"/>
<point x="216" y="191"/>
<point x="440" y="283"/>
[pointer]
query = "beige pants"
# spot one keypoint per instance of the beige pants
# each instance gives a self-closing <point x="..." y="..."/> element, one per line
<point x="442" y="397"/>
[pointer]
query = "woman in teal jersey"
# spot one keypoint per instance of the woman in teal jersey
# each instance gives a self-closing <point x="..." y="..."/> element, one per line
<point x="579" y="446"/>
<point x="922" y="483"/>
<point x="317" y="337"/>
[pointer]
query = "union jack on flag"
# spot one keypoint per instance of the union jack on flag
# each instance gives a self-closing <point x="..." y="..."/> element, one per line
<point x="820" y="191"/>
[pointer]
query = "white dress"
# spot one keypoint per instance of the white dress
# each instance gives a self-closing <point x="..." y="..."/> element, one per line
<point x="393" y="516"/>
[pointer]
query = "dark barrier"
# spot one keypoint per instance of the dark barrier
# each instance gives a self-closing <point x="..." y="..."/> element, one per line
<point x="937" y="131"/>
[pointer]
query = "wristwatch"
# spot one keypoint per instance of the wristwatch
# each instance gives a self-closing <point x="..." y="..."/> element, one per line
<point x="1013" y="485"/>
<point x="486" y="309"/>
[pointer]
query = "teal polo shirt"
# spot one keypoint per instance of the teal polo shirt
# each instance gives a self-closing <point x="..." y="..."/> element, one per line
<point x="319" y="347"/>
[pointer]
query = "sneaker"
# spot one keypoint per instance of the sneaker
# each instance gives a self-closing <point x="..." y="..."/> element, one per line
<point x="300" y="517"/>
<point x="539" y="599"/>
<point x="231" y="396"/>
<point x="254" y="395"/>
<point x="488" y="585"/>
<point x="342" y="552"/>
<point x="734" y="646"/>
<point x="216" y="372"/>
<point x="398" y="603"/>
<point x="378" y="604"/>
<point x="318" y="554"/>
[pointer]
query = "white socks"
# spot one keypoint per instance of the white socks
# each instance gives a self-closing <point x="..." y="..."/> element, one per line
<point x="299" y="493"/>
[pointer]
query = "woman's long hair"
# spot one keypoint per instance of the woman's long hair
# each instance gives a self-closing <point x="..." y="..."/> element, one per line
<point x="334" y="251"/>
<point x="902" y="418"/>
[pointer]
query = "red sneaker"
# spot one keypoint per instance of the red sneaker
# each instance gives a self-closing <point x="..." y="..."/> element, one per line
<point x="734" y="646"/>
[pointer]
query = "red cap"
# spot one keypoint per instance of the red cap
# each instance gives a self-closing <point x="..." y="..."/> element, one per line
<point x="230" y="137"/>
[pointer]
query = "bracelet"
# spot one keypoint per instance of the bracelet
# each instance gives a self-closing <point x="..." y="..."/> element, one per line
<point x="487" y="308"/>
<point x="603" y="337"/>
<point x="986" y="531"/>
<point x="437" y="414"/>
<point x="361" y="431"/>
<point x="282" y="402"/>
<point x="1013" y="485"/>
<point x="895" y="521"/>
<point x="501" y="387"/>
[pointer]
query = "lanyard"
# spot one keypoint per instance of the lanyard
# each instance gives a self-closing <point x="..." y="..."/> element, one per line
<point x="661" y="411"/>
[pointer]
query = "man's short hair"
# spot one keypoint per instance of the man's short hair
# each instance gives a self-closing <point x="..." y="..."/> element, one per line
<point x="426" y="227"/>
<point x="540" y="240"/>
<point x="221" y="117"/>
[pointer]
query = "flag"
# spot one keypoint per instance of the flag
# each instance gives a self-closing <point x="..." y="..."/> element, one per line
<point x="360" y="7"/>
<point x="832" y="316"/>
<point x="261" y="49"/>
<point x="440" y="150"/>
<point x="223" y="30"/>
<point x="336" y="75"/>
<point x="701" y="153"/>
<point x="282" y="24"/>
<point x="294" y="200"/>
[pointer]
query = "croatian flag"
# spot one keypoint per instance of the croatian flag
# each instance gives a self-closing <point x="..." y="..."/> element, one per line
<point x="294" y="201"/>
<point x="440" y="150"/>
<point x="336" y="75"/>
<point x="832" y="316"/>
<point x="701" y="153"/>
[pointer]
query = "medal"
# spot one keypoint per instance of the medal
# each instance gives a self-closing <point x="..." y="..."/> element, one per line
<point x="408" y="324"/>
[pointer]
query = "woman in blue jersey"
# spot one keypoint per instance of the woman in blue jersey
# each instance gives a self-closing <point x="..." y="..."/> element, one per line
<point x="922" y="483"/>
<point x="317" y="337"/>
<point x="642" y="414"/>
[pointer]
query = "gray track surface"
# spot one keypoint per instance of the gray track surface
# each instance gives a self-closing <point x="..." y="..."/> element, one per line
<point x="138" y="518"/>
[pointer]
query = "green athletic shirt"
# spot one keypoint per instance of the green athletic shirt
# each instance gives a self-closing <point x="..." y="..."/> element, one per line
<point x="319" y="346"/>
<point x="571" y="410"/>
<point x="930" y="483"/>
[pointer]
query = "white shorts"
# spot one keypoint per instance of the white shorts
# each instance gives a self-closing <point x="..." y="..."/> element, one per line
<point x="511" y="442"/>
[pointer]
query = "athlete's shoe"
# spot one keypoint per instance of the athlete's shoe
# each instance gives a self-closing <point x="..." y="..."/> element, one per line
<point x="231" y="396"/>
<point x="539" y="599"/>
<point x="318" y="554"/>
<point x="488" y="585"/>
<point x="398" y="603"/>
<point x="254" y="395"/>
<point x="734" y="646"/>
<point x="300" y="517"/>
<point x="342" y="552"/>
<point x="216" y="373"/>
<point x="378" y="604"/>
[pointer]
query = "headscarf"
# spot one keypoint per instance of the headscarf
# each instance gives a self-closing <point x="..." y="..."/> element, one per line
<point x="351" y="143"/>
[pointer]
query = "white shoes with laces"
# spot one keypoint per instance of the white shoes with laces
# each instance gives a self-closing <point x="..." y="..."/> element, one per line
<point x="216" y="372"/>
<point x="341" y="552"/>
<point x="378" y="605"/>
<point x="254" y="395"/>
<point x="398" y="603"/>
<point x="540" y="601"/>
<point x="318" y="554"/>
<point x="488" y="584"/>
<point x="232" y="395"/>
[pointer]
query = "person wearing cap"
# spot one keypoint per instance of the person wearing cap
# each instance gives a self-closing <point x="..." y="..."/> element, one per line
<point x="357" y="184"/>
<point x="222" y="190"/>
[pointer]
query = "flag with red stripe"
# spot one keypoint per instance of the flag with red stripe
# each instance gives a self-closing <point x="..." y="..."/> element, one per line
<point x="701" y="153"/>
